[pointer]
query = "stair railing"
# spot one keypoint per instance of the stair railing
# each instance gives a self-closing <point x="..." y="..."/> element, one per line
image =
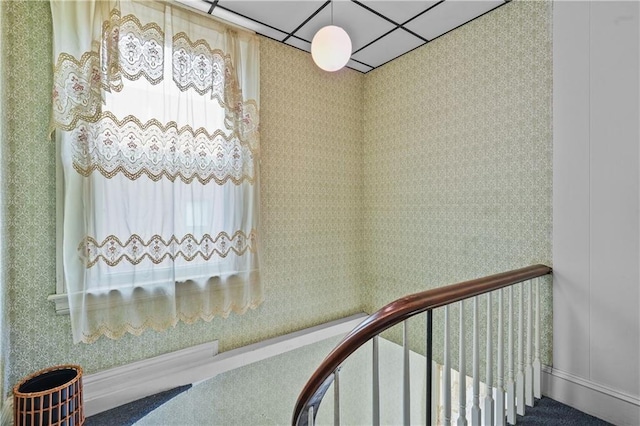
<point x="512" y="394"/>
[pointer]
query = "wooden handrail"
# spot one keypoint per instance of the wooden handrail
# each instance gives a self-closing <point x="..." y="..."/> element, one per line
<point x="394" y="313"/>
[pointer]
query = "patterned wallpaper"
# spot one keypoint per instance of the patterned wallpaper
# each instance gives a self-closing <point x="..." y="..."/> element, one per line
<point x="432" y="169"/>
<point x="311" y="188"/>
<point x="457" y="159"/>
<point x="4" y="305"/>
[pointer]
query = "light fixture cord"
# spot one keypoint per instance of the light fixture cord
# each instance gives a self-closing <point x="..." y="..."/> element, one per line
<point x="331" y="12"/>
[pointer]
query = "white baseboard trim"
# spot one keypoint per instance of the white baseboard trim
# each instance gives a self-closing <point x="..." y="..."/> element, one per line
<point x="120" y="385"/>
<point x="267" y="348"/>
<point x="592" y="398"/>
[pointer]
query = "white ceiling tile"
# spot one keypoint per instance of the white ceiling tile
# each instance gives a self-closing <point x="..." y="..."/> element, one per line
<point x="388" y="48"/>
<point x="399" y="11"/>
<point x="358" y="66"/>
<point x="248" y="24"/>
<point x="300" y="44"/>
<point x="449" y="15"/>
<point x="361" y="25"/>
<point x="284" y="15"/>
<point x="276" y="19"/>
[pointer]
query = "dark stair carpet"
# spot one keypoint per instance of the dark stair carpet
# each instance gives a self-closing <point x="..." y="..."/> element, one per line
<point x="130" y="413"/>
<point x="546" y="412"/>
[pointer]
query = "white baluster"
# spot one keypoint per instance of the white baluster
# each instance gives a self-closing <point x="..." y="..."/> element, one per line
<point x="437" y="395"/>
<point x="376" y="384"/>
<point x="446" y="382"/>
<point x="537" y="367"/>
<point x="462" y="378"/>
<point x="310" y="419"/>
<point x="475" y="408"/>
<point x="511" y="386"/>
<point x="520" y="376"/>
<point x="488" y="398"/>
<point x="500" y="393"/>
<point x="336" y="397"/>
<point x="528" y="370"/>
<point x="406" y="380"/>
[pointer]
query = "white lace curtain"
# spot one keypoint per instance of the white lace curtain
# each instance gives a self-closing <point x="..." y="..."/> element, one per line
<point x="156" y="113"/>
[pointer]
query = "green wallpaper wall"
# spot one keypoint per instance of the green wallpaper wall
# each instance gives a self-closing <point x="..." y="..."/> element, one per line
<point x="457" y="158"/>
<point x="312" y="250"/>
<point x="432" y="169"/>
<point x="4" y="305"/>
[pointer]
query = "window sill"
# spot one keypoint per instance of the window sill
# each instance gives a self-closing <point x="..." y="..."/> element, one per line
<point x="61" y="302"/>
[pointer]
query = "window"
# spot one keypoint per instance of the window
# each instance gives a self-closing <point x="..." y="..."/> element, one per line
<point x="156" y="116"/>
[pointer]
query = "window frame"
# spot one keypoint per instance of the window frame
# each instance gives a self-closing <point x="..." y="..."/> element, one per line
<point x="59" y="298"/>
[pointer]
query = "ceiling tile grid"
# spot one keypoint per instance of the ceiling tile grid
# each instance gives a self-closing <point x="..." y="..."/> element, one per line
<point x="380" y="30"/>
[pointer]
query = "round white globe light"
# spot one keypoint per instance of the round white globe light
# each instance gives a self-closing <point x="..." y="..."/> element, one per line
<point x="331" y="48"/>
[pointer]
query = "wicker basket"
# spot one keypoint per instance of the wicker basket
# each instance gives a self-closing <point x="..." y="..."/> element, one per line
<point x="48" y="397"/>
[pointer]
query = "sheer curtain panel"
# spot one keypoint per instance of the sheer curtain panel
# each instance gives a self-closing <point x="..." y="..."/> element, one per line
<point x="156" y="113"/>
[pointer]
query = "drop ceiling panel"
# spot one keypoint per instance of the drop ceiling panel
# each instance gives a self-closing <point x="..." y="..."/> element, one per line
<point x="284" y="15"/>
<point x="448" y="15"/>
<point x="388" y="48"/>
<point x="399" y="11"/>
<point x="373" y="25"/>
<point x="362" y="25"/>
<point x="358" y="66"/>
<point x="300" y="44"/>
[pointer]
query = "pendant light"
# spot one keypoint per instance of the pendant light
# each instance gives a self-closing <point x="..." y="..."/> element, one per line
<point x="331" y="47"/>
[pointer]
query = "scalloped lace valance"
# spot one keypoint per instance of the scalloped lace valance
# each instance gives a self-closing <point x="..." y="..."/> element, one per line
<point x="156" y="112"/>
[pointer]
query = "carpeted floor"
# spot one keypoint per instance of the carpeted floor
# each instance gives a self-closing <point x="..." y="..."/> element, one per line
<point x="546" y="412"/>
<point x="549" y="412"/>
